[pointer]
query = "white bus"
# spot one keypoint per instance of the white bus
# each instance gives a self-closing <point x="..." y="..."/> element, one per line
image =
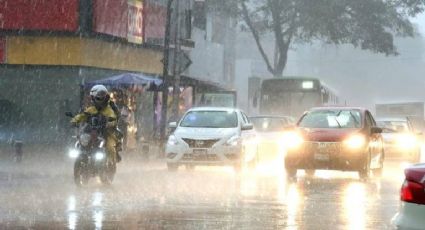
<point x="292" y="96"/>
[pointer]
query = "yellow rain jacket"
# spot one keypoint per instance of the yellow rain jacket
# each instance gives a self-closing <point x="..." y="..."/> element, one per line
<point x="111" y="139"/>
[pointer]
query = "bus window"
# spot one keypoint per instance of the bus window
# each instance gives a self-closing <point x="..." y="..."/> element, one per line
<point x="293" y="96"/>
<point x="218" y="99"/>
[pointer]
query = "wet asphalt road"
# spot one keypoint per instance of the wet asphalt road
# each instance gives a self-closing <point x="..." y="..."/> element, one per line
<point x="39" y="194"/>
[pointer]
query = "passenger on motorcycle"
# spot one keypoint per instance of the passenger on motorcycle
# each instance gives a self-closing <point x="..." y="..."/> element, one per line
<point x="102" y="104"/>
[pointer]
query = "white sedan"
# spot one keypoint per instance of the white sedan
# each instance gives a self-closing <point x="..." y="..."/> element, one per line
<point x="411" y="213"/>
<point x="211" y="136"/>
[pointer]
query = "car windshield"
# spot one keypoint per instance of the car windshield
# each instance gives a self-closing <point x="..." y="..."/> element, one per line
<point x="331" y="119"/>
<point x="210" y="119"/>
<point x="393" y="126"/>
<point x="269" y="124"/>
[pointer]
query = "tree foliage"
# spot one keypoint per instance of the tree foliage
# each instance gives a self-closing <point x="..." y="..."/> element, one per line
<point x="366" y="24"/>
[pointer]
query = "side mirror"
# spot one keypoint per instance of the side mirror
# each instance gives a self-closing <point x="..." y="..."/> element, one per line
<point x="69" y="114"/>
<point x="376" y="130"/>
<point x="247" y="127"/>
<point x="172" y="125"/>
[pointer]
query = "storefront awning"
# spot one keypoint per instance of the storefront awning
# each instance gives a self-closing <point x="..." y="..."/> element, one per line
<point x="201" y="83"/>
<point x="127" y="80"/>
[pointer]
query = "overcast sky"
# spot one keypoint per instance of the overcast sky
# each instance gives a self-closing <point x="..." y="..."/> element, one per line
<point x="361" y="78"/>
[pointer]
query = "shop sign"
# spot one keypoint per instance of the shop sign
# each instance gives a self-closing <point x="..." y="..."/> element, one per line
<point x="135" y="22"/>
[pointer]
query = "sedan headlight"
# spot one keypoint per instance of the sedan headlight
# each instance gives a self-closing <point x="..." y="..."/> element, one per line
<point x="172" y="140"/>
<point x="406" y="141"/>
<point x="292" y="140"/>
<point x="355" y="141"/>
<point x="233" y="141"/>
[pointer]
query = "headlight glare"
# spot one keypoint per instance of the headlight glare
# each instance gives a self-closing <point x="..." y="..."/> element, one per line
<point x="355" y="141"/>
<point x="292" y="140"/>
<point x="99" y="156"/>
<point x="73" y="153"/>
<point x="406" y="141"/>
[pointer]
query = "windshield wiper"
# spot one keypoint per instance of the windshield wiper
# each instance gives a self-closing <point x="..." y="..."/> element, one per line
<point x="354" y="118"/>
<point x="339" y="125"/>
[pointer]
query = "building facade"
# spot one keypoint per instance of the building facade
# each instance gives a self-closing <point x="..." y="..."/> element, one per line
<point x="49" y="48"/>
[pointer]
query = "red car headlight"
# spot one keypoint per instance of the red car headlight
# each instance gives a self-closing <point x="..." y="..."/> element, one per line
<point x="292" y="140"/>
<point x="355" y="141"/>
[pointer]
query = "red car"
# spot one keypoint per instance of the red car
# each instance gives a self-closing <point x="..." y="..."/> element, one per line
<point x="334" y="138"/>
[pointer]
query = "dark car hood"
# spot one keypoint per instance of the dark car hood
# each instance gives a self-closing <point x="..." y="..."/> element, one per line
<point x="327" y="135"/>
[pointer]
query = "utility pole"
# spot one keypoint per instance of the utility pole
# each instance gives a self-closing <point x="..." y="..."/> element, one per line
<point x="165" y="77"/>
<point x="176" y="64"/>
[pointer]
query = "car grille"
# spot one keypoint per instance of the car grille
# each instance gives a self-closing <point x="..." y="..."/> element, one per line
<point x="206" y="157"/>
<point x="323" y="147"/>
<point x="193" y="143"/>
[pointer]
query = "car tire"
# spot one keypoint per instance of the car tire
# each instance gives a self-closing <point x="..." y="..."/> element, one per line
<point x="190" y="167"/>
<point x="291" y="172"/>
<point x="364" y="171"/>
<point x="172" y="167"/>
<point x="378" y="171"/>
<point x="237" y="167"/>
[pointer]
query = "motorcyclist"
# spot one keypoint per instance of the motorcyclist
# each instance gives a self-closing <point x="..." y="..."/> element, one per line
<point x="102" y="104"/>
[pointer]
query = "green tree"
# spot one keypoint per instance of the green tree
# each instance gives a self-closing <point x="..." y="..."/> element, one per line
<point x="366" y="24"/>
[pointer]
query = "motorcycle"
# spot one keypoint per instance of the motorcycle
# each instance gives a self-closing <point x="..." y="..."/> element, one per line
<point x="90" y="154"/>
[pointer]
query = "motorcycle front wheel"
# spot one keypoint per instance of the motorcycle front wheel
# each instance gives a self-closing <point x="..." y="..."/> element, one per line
<point x="81" y="176"/>
<point x="108" y="173"/>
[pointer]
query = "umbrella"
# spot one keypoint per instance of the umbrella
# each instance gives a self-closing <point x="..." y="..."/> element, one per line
<point x="126" y="80"/>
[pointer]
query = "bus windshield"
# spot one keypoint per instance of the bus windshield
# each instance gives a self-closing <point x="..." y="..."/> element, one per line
<point x="289" y="103"/>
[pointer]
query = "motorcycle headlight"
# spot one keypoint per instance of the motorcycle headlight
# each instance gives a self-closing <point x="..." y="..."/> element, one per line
<point x="355" y="141"/>
<point x="233" y="141"/>
<point x="292" y="140"/>
<point x="406" y="141"/>
<point x="172" y="140"/>
<point x="73" y="153"/>
<point x="99" y="156"/>
<point x="85" y="139"/>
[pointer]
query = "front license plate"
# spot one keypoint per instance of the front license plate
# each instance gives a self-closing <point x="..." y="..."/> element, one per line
<point x="199" y="152"/>
<point x="321" y="157"/>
